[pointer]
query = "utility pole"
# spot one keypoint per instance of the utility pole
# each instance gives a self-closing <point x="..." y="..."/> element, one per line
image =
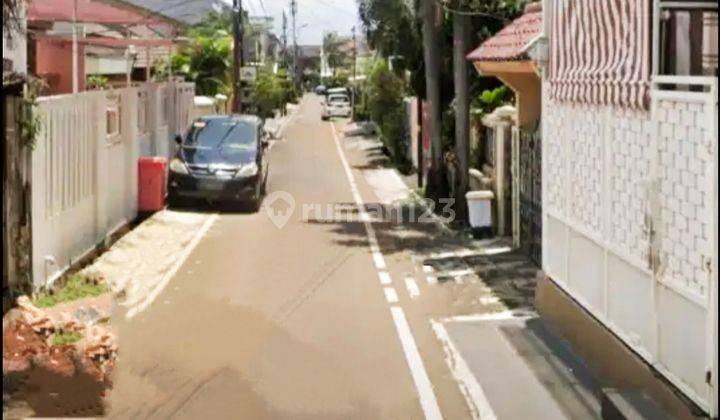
<point x="237" y="56"/>
<point x="293" y="13"/>
<point x="284" y="37"/>
<point x="435" y="182"/>
<point x="462" y="110"/>
<point x="354" y="83"/>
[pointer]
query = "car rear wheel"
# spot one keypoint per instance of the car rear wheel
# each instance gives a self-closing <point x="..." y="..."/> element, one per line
<point x="256" y="201"/>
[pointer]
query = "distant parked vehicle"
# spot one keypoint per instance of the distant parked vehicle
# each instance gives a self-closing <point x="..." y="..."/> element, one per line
<point x="320" y="90"/>
<point x="221" y="158"/>
<point x="337" y="91"/>
<point x="336" y="105"/>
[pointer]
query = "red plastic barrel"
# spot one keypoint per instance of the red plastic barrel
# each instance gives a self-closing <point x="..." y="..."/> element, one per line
<point x="151" y="183"/>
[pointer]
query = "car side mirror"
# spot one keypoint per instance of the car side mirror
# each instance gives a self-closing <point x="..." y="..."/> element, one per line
<point x="265" y="143"/>
<point x="178" y="139"/>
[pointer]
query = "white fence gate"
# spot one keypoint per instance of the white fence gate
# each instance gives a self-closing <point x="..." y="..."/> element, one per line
<point x="183" y="97"/>
<point x="160" y="107"/>
<point x="630" y="207"/>
<point x="84" y="167"/>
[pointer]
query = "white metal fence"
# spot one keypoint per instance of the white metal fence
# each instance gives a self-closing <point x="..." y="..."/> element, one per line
<point x="84" y="167"/>
<point x="630" y="225"/>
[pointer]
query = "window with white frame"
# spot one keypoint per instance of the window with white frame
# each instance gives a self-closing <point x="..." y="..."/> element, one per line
<point x="686" y="34"/>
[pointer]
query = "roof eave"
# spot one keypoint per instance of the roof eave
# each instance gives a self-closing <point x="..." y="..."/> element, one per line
<point x="145" y="11"/>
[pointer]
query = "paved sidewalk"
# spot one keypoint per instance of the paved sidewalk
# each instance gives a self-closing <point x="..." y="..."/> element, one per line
<point x="135" y="265"/>
<point x="493" y="339"/>
<point x="510" y="366"/>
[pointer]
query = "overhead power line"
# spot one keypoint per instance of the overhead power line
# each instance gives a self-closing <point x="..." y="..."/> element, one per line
<point x="262" y="6"/>
<point x="336" y="7"/>
<point x="469" y="12"/>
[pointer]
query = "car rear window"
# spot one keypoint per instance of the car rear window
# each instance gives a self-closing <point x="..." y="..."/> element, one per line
<point x="222" y="133"/>
<point x="339" y="99"/>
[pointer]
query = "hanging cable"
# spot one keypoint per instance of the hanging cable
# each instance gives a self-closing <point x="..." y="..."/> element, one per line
<point x="449" y="9"/>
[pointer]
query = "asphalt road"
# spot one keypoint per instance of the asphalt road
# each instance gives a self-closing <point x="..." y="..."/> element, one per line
<point x="313" y="320"/>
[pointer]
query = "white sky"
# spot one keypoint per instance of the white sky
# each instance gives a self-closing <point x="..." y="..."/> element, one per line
<point x="318" y="15"/>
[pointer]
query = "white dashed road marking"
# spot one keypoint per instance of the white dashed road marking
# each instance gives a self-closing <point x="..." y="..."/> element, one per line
<point x="423" y="386"/>
<point x="385" y="278"/>
<point x="430" y="274"/>
<point x="391" y="295"/>
<point x="412" y="287"/>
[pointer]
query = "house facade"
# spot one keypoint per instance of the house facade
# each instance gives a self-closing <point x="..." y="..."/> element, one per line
<point x="116" y="40"/>
<point x="630" y="184"/>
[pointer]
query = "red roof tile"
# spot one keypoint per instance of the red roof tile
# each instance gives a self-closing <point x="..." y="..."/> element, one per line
<point x="89" y="11"/>
<point x="510" y="42"/>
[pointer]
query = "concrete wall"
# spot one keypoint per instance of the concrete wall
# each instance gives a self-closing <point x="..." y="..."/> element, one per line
<point x="605" y="353"/>
<point x="84" y="167"/>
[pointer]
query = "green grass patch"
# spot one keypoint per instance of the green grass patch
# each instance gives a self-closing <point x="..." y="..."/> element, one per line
<point x="76" y="287"/>
<point x="65" y="338"/>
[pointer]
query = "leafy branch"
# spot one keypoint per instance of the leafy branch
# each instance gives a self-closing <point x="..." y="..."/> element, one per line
<point x="29" y="120"/>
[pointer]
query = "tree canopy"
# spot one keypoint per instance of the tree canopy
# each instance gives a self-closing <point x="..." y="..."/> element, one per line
<point x="332" y="44"/>
<point x="11" y="16"/>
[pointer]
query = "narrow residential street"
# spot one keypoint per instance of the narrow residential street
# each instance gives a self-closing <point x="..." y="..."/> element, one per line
<point x="289" y="322"/>
<point x="320" y="315"/>
<point x="360" y="209"/>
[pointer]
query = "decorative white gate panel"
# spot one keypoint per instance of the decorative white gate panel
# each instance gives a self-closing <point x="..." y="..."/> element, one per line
<point x="684" y="218"/>
<point x="160" y="109"/>
<point x="183" y="98"/>
<point x="144" y="121"/>
<point x="630" y="223"/>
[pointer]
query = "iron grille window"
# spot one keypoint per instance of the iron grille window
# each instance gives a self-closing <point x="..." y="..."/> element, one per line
<point x="687" y="38"/>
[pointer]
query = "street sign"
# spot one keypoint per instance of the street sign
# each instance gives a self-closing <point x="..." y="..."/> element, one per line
<point x="248" y="74"/>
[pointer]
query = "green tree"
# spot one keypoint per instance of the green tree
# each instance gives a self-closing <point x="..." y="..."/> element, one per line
<point x="268" y="93"/>
<point x="385" y="93"/>
<point x="206" y="61"/>
<point x="12" y="19"/>
<point x="213" y="22"/>
<point x="336" y="57"/>
<point x="393" y="30"/>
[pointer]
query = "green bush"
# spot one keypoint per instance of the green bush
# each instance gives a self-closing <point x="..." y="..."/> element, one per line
<point x="341" y="80"/>
<point x="96" y="82"/>
<point x="361" y="112"/>
<point x="273" y="91"/>
<point x="385" y="93"/>
<point x="488" y="100"/>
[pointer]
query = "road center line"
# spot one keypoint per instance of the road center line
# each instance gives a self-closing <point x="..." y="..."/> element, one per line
<point x="423" y="386"/>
